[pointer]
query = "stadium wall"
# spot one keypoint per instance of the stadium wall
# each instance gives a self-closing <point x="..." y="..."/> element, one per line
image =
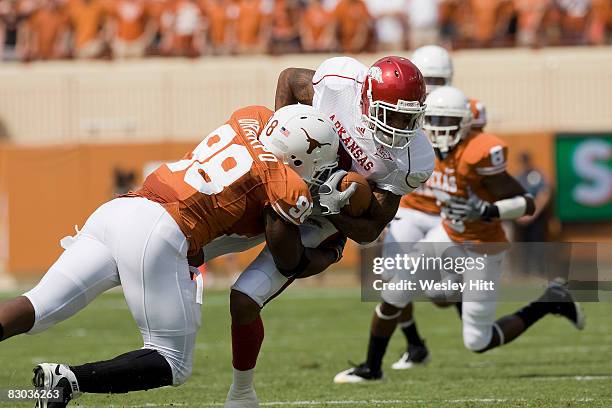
<point x="560" y="89"/>
<point x="46" y="190"/>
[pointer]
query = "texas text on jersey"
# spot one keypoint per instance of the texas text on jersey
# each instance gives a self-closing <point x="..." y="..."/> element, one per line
<point x="460" y="173"/>
<point x="337" y="87"/>
<point x="223" y="186"/>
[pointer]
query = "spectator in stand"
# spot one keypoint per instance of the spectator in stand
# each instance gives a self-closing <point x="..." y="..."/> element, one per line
<point x="317" y="28"/>
<point x="423" y="22"/>
<point x="390" y="23"/>
<point x="46" y="32"/>
<point x="454" y="20"/>
<point x="87" y="18"/>
<point x="597" y="31"/>
<point x="156" y="10"/>
<point x="484" y="14"/>
<point x="219" y="17"/>
<point x="131" y="27"/>
<point x="284" y="27"/>
<point x="183" y="29"/>
<point x="13" y="15"/>
<point x="531" y="14"/>
<point x="252" y="26"/>
<point x="572" y="17"/>
<point x="354" y="25"/>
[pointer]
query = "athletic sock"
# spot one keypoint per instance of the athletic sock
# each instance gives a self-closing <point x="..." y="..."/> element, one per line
<point x="377" y="348"/>
<point x="134" y="371"/>
<point x="534" y="312"/>
<point x="242" y="382"/>
<point x="409" y="329"/>
<point x="459" y="308"/>
<point x="246" y="343"/>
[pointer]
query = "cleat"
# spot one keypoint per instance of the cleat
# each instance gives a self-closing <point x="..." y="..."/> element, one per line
<point x="357" y="374"/>
<point x="416" y="356"/>
<point x="49" y="377"/>
<point x="244" y="399"/>
<point x="565" y="306"/>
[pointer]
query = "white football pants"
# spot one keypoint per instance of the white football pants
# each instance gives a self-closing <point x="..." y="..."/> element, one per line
<point x="478" y="306"/>
<point x="135" y="243"/>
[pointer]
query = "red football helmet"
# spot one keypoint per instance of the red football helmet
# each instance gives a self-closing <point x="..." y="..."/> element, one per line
<point x="392" y="101"/>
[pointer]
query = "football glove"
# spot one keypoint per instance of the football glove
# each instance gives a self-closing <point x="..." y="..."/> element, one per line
<point x="472" y="209"/>
<point x="331" y="199"/>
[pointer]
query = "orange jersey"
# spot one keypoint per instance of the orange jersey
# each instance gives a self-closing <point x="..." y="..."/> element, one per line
<point x="223" y="186"/>
<point x="421" y="199"/>
<point x="461" y="172"/>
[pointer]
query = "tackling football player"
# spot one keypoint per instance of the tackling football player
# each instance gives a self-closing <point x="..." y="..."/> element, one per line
<point x="377" y="113"/>
<point x="475" y="194"/>
<point x="249" y="177"/>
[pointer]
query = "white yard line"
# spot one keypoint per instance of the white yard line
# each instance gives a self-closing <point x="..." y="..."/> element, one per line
<point x="575" y="378"/>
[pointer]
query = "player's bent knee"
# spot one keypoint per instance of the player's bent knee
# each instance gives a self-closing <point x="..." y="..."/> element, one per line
<point x="386" y="311"/>
<point x="242" y="308"/>
<point x="478" y="342"/>
<point x="180" y="376"/>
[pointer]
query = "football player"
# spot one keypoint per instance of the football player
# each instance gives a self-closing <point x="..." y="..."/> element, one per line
<point x="415" y="221"/>
<point x="475" y="194"/>
<point x="417" y="216"/>
<point x="249" y="177"/>
<point x="377" y="113"/>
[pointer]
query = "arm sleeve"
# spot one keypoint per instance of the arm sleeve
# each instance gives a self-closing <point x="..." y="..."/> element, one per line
<point x="290" y="198"/>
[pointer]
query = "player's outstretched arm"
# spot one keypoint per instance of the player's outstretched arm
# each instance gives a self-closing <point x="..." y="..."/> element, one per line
<point x="368" y="227"/>
<point x="512" y="201"/>
<point x="291" y="258"/>
<point x="294" y="86"/>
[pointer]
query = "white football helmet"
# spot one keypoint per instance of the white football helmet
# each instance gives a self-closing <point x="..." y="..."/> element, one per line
<point x="447" y="117"/>
<point x="435" y="64"/>
<point x="479" y="115"/>
<point x="304" y="139"/>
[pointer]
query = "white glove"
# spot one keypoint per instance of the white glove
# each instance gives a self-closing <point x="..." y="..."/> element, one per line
<point x="331" y="199"/>
<point x="466" y="210"/>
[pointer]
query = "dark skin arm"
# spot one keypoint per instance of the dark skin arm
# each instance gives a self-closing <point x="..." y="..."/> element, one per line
<point x="368" y="227"/>
<point x="283" y="240"/>
<point x="294" y="86"/>
<point x="503" y="186"/>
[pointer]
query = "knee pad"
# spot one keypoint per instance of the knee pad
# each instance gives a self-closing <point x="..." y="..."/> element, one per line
<point x="477" y="339"/>
<point x="180" y="363"/>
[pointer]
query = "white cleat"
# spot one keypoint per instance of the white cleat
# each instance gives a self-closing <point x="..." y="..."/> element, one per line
<point x="57" y="383"/>
<point x="416" y="356"/>
<point x="357" y="374"/>
<point x="404" y="363"/>
<point x="242" y="399"/>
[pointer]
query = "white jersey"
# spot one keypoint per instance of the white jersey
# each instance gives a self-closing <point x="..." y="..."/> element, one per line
<point x="337" y="87"/>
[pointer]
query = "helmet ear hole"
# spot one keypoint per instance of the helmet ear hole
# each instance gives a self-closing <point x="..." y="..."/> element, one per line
<point x="297" y="163"/>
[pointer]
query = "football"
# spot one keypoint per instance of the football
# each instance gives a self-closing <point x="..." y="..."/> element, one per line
<point x="360" y="200"/>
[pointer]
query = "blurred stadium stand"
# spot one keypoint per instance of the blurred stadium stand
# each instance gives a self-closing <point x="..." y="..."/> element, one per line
<point x="57" y="29"/>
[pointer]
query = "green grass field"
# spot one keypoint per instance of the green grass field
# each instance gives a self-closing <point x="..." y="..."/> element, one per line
<point x="310" y="335"/>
